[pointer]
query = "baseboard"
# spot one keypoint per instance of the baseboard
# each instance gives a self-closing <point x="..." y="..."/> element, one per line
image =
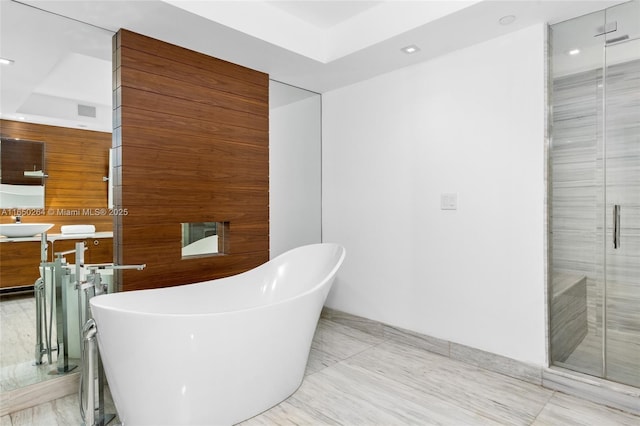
<point x="487" y="360"/>
<point x="38" y="393"/>
<point x="611" y="394"/>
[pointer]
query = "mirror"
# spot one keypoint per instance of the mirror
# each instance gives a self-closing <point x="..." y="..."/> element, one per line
<point x="204" y="238"/>
<point x="22" y="174"/>
<point x="59" y="66"/>
<point x="295" y="167"/>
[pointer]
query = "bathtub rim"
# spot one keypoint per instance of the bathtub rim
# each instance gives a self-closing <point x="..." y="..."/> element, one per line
<point x="331" y="275"/>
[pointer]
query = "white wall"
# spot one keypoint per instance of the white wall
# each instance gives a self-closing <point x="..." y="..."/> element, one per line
<point x="294" y="169"/>
<point x="471" y="123"/>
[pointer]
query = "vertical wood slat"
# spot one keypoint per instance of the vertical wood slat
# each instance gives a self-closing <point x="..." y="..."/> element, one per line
<point x="191" y="135"/>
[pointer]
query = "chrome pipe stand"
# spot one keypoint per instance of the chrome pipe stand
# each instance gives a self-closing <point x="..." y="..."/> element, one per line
<point x="61" y="320"/>
<point x="54" y="272"/>
<point x="92" y="377"/>
<point x="61" y="305"/>
<point x="43" y="345"/>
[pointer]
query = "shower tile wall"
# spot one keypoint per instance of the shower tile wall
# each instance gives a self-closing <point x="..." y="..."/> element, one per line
<point x="577" y="212"/>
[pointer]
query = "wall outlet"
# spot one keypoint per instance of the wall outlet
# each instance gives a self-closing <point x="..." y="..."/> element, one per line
<point x="448" y="201"/>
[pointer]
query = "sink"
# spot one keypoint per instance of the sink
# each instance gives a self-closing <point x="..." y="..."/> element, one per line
<point x="14" y="230"/>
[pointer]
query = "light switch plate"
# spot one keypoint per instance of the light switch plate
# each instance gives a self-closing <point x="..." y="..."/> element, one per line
<point x="448" y="201"/>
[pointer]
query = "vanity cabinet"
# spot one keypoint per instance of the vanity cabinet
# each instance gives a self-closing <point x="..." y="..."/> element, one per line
<point x="99" y="250"/>
<point x="20" y="260"/>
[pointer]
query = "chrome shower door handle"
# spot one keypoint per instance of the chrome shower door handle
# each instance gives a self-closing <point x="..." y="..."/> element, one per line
<point x="616" y="226"/>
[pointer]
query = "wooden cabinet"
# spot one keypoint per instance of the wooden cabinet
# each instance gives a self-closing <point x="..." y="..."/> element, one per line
<point x="99" y="250"/>
<point x="19" y="261"/>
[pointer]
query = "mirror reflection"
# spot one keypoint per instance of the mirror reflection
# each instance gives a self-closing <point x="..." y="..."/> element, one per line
<point x="21" y="174"/>
<point x="59" y="68"/>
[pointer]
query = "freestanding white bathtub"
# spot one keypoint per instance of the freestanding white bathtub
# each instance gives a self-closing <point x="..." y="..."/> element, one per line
<point x="216" y="352"/>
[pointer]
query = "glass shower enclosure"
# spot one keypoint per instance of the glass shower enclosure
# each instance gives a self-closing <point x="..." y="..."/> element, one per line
<point x="594" y="194"/>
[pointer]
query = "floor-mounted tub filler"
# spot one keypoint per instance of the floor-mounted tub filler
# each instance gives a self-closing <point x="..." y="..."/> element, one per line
<point x="216" y="352"/>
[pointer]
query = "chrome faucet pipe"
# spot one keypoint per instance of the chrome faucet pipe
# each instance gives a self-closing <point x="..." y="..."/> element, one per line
<point x="112" y="266"/>
<point x="41" y="313"/>
<point x="62" y="253"/>
<point x="87" y="403"/>
<point x="44" y="248"/>
<point x="136" y="267"/>
<point x="92" y="375"/>
<point x="61" y="302"/>
<point x="41" y="316"/>
<point x="91" y="411"/>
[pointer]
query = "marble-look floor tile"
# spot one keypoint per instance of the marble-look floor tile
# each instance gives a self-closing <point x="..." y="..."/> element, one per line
<point x="319" y="360"/>
<point x="567" y="410"/>
<point x="5" y="421"/>
<point x="355" y="396"/>
<point x="18" y="342"/>
<point x="63" y="411"/>
<point x="17" y="329"/>
<point x="286" y="414"/>
<point x="59" y="412"/>
<point x="623" y="358"/>
<point x="503" y="399"/>
<point x="341" y="341"/>
<point x="587" y="357"/>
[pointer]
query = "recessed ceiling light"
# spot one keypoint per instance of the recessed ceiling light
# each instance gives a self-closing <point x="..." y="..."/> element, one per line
<point x="410" y="49"/>
<point x="5" y="61"/>
<point x="573" y="52"/>
<point x="507" y="20"/>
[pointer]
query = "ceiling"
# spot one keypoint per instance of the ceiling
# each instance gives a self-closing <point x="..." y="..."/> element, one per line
<point x="62" y="49"/>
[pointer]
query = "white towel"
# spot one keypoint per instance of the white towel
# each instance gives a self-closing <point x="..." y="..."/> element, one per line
<point x="77" y="229"/>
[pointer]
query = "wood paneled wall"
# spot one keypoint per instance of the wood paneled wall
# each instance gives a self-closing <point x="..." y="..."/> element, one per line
<point x="76" y="161"/>
<point x="192" y="145"/>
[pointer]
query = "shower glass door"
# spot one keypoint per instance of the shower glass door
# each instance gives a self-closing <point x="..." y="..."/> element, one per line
<point x="594" y="212"/>
<point x="622" y="196"/>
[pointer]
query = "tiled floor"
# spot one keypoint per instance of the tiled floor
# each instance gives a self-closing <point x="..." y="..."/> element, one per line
<point x="355" y="378"/>
<point x="623" y="358"/>
<point x="17" y="343"/>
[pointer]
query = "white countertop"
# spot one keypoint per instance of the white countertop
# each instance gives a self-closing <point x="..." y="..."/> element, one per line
<point x="55" y="237"/>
